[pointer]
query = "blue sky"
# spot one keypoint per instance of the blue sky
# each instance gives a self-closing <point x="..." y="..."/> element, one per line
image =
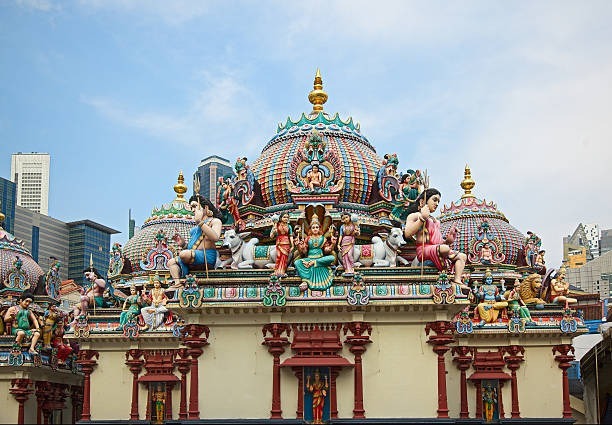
<point x="124" y="94"/>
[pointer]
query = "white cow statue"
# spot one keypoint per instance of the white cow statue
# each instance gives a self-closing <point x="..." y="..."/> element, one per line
<point x="381" y="253"/>
<point x="247" y="255"/>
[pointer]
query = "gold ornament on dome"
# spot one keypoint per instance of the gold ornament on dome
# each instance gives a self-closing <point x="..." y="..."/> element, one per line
<point x="467" y="184"/>
<point x="317" y="96"/>
<point x="180" y="188"/>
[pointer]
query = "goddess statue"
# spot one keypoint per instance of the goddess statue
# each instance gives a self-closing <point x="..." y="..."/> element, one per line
<point x="315" y="269"/>
<point x="153" y="315"/>
<point x="318" y="388"/>
<point x="284" y="243"/>
<point x="131" y="307"/>
<point x="346" y="242"/>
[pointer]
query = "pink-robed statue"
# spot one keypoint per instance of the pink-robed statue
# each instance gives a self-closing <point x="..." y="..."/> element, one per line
<point x="284" y="244"/>
<point x="346" y="243"/>
<point x="429" y="242"/>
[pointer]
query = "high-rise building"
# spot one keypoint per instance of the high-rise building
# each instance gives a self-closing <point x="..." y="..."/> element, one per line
<point x="8" y="197"/>
<point x="591" y="232"/>
<point x="605" y="241"/>
<point x="594" y="277"/>
<point x="208" y="173"/>
<point x="579" y="243"/>
<point x="88" y="239"/>
<point x="31" y="173"/>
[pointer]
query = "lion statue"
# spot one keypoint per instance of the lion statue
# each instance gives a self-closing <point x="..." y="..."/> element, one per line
<point x="529" y="289"/>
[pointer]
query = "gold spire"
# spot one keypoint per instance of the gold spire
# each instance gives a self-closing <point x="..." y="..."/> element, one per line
<point x="180" y="188"/>
<point x="467" y="184"/>
<point x="317" y="96"/>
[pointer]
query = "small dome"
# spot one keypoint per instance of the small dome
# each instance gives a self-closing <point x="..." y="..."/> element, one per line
<point x="485" y="234"/>
<point x="18" y="270"/>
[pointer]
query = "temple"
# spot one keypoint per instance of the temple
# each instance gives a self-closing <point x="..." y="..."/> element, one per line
<point x="320" y="285"/>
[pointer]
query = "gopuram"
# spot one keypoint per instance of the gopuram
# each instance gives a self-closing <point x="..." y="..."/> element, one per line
<point x="326" y="283"/>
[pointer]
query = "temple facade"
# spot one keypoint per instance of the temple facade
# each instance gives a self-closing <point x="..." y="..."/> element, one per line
<point x="320" y="285"/>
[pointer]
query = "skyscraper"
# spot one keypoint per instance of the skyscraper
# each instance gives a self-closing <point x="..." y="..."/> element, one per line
<point x="88" y="240"/>
<point x="8" y="196"/>
<point x="30" y="171"/>
<point x="208" y="173"/>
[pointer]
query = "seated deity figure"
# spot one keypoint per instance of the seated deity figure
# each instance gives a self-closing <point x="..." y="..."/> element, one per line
<point x="559" y="289"/>
<point x="515" y="304"/>
<point x="153" y="314"/>
<point x="315" y="268"/>
<point x="200" y="249"/>
<point x="346" y="243"/>
<point x="131" y="307"/>
<point x="491" y="302"/>
<point x="314" y="178"/>
<point x="24" y="321"/>
<point x="429" y="243"/>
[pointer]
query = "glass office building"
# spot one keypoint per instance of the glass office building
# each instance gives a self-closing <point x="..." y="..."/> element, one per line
<point x="87" y="239"/>
<point x="8" y="200"/>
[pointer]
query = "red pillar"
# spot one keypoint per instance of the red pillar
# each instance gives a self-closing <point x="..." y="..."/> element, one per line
<point x="299" y="413"/>
<point x="500" y="401"/>
<point x="87" y="362"/>
<point x="21" y="390"/>
<point x="564" y="358"/>
<point x="169" y="386"/>
<point x="135" y="365"/>
<point x="333" y="397"/>
<point x="463" y="359"/>
<point x="43" y="392"/>
<point x="276" y="342"/>
<point x="444" y="336"/>
<point x="76" y="394"/>
<point x="513" y="362"/>
<point x="183" y="364"/>
<point x="194" y="343"/>
<point x="358" y="341"/>
<point x="478" y="399"/>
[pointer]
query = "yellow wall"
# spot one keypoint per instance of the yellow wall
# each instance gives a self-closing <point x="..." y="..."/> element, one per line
<point x="10" y="407"/>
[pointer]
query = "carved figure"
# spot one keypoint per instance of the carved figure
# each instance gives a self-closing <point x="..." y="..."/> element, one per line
<point x="315" y="269"/>
<point x="314" y="178"/>
<point x="284" y="244"/>
<point x="318" y="388"/>
<point x="95" y="293"/>
<point x="388" y="185"/>
<point x="131" y="307"/>
<point x="246" y="255"/>
<point x="241" y="168"/>
<point x="153" y="315"/>
<point x="531" y="248"/>
<point x="24" y="322"/>
<point x="228" y="204"/>
<point x="489" y="398"/>
<point x="409" y="190"/>
<point x="381" y="253"/>
<point x="52" y="280"/>
<point x="51" y="318"/>
<point x="159" y="403"/>
<point x="346" y="243"/>
<point x="200" y="249"/>
<point x="426" y="231"/>
<point x="491" y="302"/>
<point x="515" y="304"/>
<point x="529" y="290"/>
<point x="540" y="263"/>
<point x="559" y="289"/>
<point x="115" y="265"/>
<point x="63" y="349"/>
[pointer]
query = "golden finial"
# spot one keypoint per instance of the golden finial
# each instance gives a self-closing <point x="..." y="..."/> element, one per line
<point x="180" y="188"/>
<point x="467" y="184"/>
<point x="317" y="96"/>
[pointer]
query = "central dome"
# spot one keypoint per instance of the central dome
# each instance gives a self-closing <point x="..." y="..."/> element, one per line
<point x="348" y="151"/>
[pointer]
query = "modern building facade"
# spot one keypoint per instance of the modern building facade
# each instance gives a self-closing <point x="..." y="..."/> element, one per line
<point x="88" y="240"/>
<point x="30" y="171"/>
<point x="592" y="234"/>
<point x="208" y="173"/>
<point x="8" y="199"/>
<point x="594" y="277"/>
<point x="605" y="241"/>
<point x="573" y="245"/>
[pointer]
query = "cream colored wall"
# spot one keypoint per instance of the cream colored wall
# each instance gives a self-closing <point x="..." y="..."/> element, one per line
<point x="10" y="407"/>
<point x="540" y="384"/>
<point x="111" y="387"/>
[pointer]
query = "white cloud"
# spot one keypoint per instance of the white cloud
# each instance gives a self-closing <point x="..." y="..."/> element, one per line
<point x="175" y="12"/>
<point x="39" y="5"/>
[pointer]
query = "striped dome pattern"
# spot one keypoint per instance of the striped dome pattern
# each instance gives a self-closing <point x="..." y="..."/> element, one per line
<point x="11" y="247"/>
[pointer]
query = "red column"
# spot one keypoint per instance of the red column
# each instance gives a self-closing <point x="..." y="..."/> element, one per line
<point x="21" y="390"/>
<point x="194" y="343"/>
<point x="43" y="392"/>
<point x="564" y="358"/>
<point x="500" y="401"/>
<point x="478" y="399"/>
<point x="444" y="336"/>
<point x="463" y="359"/>
<point x="183" y="364"/>
<point x="169" y="386"/>
<point x="76" y="394"/>
<point x="299" y="413"/>
<point x="87" y="362"/>
<point x="333" y="398"/>
<point x="513" y="362"/>
<point x="276" y="342"/>
<point x="135" y="365"/>
<point x="358" y="341"/>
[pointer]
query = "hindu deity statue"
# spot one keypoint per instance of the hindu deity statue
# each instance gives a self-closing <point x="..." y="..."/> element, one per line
<point x="315" y="268"/>
<point x="115" y="265"/>
<point x="95" y="293"/>
<point x="153" y="314"/>
<point x="559" y="289"/>
<point x="228" y="205"/>
<point x="532" y="247"/>
<point x="410" y="185"/>
<point x="24" y="321"/>
<point x="430" y="245"/>
<point x="57" y="341"/>
<point x="131" y="307"/>
<point x="491" y="302"/>
<point x="318" y="388"/>
<point x="50" y="320"/>
<point x="346" y="242"/>
<point x="52" y="280"/>
<point x="200" y="249"/>
<point x="515" y="304"/>
<point x="284" y="243"/>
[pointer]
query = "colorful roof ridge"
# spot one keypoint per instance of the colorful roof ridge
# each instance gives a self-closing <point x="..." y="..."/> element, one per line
<point x="319" y="118"/>
<point x="178" y="208"/>
<point x="469" y="206"/>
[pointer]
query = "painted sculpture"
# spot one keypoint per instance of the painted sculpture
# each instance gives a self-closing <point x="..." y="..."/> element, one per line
<point x="283" y="232"/>
<point x="318" y="388"/>
<point x="200" y="249"/>
<point x="516" y="305"/>
<point x="346" y="243"/>
<point x="410" y="185"/>
<point x="491" y="302"/>
<point x="24" y="322"/>
<point x="559" y="289"/>
<point x="247" y="254"/>
<point x="95" y="293"/>
<point x="315" y="268"/>
<point x="532" y="248"/>
<point x="382" y="252"/>
<point x="429" y="242"/>
<point x="52" y="280"/>
<point x="50" y="322"/>
<point x="131" y="307"/>
<point x="153" y="314"/>
<point x="529" y="290"/>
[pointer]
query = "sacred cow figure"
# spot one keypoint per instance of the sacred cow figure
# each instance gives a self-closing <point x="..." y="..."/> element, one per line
<point x="200" y="249"/>
<point x="426" y="231"/>
<point x="24" y="322"/>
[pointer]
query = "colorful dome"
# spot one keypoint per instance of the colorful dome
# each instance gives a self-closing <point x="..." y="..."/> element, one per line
<point x="485" y="234"/>
<point x="18" y="270"/>
<point x="349" y="151"/>
<point x="152" y="246"/>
